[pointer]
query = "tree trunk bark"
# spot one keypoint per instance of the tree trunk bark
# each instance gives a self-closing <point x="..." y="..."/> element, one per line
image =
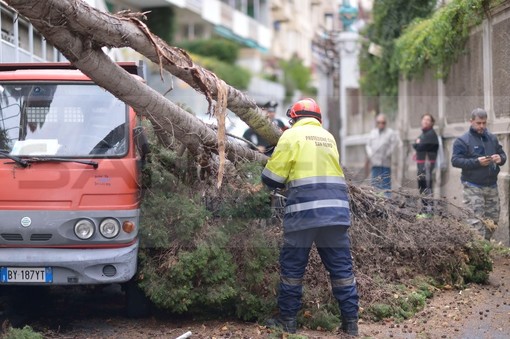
<point x="126" y="30"/>
<point x="169" y="120"/>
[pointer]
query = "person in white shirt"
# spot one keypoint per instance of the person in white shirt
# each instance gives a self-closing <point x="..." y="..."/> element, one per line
<point x="381" y="144"/>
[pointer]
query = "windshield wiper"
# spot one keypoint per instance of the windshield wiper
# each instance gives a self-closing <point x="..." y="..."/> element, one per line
<point x="16" y="159"/>
<point x="94" y="164"/>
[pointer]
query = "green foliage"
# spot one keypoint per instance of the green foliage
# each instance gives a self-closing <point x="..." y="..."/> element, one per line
<point x="402" y="304"/>
<point x="171" y="210"/>
<point x="161" y="21"/>
<point x="4" y="140"/>
<point x="473" y="263"/>
<point x="22" y="333"/>
<point x="404" y="301"/>
<point x="221" y="49"/>
<point x="169" y="216"/>
<point x="279" y="334"/>
<point x="245" y="205"/>
<point x="380" y="311"/>
<point x="257" y="285"/>
<point x="479" y="264"/>
<point x="414" y="302"/>
<point x="202" y="277"/>
<point x="438" y="41"/>
<point x="249" y="206"/>
<point x="296" y="76"/>
<point x="425" y="285"/>
<point x="321" y="319"/>
<point x="501" y="249"/>
<point x="219" y="56"/>
<point x="233" y="75"/>
<point x="198" y="258"/>
<point x="379" y="76"/>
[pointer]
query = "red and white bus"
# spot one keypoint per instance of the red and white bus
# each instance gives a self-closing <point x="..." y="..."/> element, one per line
<point x="70" y="159"/>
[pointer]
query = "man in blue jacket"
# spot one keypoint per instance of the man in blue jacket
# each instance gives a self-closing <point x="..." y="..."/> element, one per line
<point x="479" y="154"/>
<point x="317" y="211"/>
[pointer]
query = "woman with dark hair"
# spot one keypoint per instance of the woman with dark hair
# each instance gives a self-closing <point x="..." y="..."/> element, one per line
<point x="426" y="147"/>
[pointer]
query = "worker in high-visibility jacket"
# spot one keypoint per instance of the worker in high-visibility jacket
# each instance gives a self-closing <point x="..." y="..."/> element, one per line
<point x="306" y="162"/>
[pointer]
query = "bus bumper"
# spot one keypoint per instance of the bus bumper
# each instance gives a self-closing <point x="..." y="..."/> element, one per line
<point x="72" y="266"/>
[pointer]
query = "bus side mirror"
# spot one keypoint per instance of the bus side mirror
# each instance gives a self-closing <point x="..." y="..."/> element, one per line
<point x="141" y="143"/>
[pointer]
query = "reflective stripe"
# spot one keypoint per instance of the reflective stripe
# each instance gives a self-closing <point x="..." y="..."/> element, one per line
<point x="316" y="180"/>
<point x="343" y="282"/>
<point x="291" y="281"/>
<point x="273" y="176"/>
<point x="316" y="204"/>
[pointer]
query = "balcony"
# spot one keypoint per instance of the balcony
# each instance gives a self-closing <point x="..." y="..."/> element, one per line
<point x="281" y="13"/>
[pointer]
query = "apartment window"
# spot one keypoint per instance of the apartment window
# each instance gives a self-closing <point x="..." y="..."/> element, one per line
<point x="199" y="31"/>
<point x="192" y="31"/>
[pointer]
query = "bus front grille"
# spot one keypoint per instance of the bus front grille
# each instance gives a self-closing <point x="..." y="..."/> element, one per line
<point x="40" y="237"/>
<point x="12" y="236"/>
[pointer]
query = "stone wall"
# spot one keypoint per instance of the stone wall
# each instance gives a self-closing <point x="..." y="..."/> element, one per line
<point x="480" y="78"/>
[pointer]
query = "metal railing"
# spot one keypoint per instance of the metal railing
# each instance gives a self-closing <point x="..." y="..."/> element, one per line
<point x="20" y="42"/>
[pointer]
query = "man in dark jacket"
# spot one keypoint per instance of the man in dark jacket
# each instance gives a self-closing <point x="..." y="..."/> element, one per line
<point x="426" y="147"/>
<point x="480" y="155"/>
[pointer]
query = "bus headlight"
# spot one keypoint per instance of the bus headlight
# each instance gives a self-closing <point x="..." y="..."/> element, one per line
<point x="109" y="228"/>
<point x="84" y="229"/>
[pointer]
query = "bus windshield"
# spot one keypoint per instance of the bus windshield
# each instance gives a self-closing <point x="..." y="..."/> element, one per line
<point x="64" y="120"/>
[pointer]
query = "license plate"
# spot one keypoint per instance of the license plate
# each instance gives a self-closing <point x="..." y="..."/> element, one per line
<point x="26" y="274"/>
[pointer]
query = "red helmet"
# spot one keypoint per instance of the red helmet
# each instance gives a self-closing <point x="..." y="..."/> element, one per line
<point x="305" y="108"/>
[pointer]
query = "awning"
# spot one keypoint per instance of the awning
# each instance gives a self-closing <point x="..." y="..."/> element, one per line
<point x="228" y="34"/>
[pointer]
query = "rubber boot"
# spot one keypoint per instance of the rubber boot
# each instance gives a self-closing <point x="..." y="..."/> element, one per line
<point x="287" y="324"/>
<point x="350" y="326"/>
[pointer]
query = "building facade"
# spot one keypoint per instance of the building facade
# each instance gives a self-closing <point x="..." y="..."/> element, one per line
<point x="20" y="42"/>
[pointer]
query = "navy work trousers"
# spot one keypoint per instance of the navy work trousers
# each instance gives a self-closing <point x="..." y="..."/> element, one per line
<point x="333" y="245"/>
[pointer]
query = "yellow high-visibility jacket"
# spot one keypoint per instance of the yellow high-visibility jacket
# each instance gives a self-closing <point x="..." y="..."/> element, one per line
<point x="306" y="161"/>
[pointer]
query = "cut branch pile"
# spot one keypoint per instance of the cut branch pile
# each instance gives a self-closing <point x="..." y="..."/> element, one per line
<point x="389" y="245"/>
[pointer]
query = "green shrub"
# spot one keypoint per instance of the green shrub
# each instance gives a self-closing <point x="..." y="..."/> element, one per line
<point x="403" y="304"/>
<point x="257" y="276"/>
<point x="321" y="319"/>
<point x="379" y="75"/>
<point x="171" y="217"/>
<point x="438" y="41"/>
<point x="194" y="280"/>
<point x="426" y="287"/>
<point x="479" y="263"/>
<point x="296" y="76"/>
<point x="233" y="75"/>
<point x="380" y="311"/>
<point x="200" y="254"/>
<point x="220" y="49"/>
<point x="4" y="140"/>
<point x="249" y="206"/>
<point x="161" y="21"/>
<point x="22" y="333"/>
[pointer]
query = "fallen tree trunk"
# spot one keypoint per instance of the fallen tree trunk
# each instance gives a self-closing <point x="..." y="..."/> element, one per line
<point x="170" y="120"/>
<point x="127" y="30"/>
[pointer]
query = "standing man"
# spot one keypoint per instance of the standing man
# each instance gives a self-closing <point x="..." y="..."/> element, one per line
<point x="269" y="109"/>
<point x="380" y="145"/>
<point x="306" y="161"/>
<point x="479" y="154"/>
<point x="426" y="147"/>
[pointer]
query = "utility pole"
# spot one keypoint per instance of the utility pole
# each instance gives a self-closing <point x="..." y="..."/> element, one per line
<point x="327" y="46"/>
<point x="327" y="52"/>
